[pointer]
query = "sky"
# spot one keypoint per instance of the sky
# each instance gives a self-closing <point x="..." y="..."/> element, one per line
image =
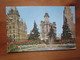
<point x="31" y="13"/>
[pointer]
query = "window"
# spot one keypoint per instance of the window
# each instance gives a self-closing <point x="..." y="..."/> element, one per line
<point x="13" y="26"/>
<point x="13" y="31"/>
<point x="14" y="36"/>
<point x="9" y="27"/>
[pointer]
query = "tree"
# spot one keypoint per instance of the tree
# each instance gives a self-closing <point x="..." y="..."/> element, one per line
<point x="66" y="31"/>
<point x="34" y="35"/>
<point x="52" y="34"/>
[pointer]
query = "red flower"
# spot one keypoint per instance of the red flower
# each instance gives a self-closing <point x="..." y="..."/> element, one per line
<point x="16" y="46"/>
<point x="8" y="44"/>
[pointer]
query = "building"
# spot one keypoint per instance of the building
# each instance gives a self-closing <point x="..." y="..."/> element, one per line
<point x="69" y="17"/>
<point x="45" y="28"/>
<point x="16" y="28"/>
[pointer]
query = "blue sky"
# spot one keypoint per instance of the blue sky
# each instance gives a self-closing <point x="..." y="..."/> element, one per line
<point x="31" y="13"/>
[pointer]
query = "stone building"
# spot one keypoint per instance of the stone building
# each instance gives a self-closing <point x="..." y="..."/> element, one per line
<point x="45" y="28"/>
<point x="69" y="17"/>
<point x="16" y="28"/>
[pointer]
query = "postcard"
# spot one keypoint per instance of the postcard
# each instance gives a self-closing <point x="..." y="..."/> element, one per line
<point x="40" y="28"/>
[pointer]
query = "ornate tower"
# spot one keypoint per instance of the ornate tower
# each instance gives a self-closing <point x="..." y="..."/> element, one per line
<point x="13" y="11"/>
<point x="46" y="24"/>
<point x="12" y="24"/>
<point x="46" y="17"/>
<point x="45" y="28"/>
<point x="16" y="29"/>
<point x="69" y="17"/>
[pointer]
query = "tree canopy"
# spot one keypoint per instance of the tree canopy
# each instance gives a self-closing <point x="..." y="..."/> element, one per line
<point x="34" y="35"/>
<point x="66" y="31"/>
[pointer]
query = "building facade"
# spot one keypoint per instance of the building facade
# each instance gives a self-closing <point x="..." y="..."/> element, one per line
<point x="69" y="17"/>
<point x="16" y="28"/>
<point x="45" y="28"/>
